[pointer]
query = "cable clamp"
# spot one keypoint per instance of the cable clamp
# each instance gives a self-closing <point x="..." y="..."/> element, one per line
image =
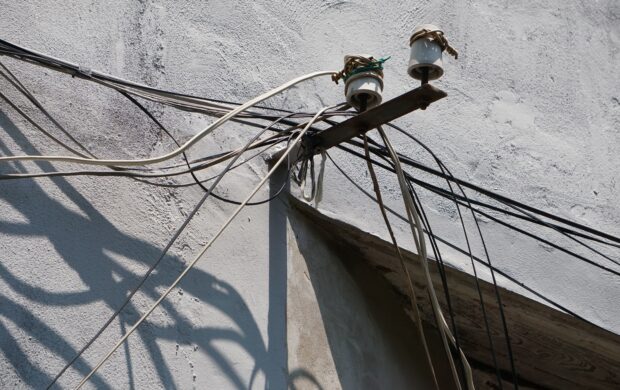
<point x="84" y="71"/>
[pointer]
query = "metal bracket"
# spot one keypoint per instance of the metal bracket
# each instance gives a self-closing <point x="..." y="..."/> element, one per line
<point x="418" y="98"/>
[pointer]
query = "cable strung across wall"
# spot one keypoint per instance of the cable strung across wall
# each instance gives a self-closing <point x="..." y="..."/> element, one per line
<point x="29" y="55"/>
<point x="192" y="141"/>
<point x="461" y="250"/>
<point x="505" y="200"/>
<point x="448" y="196"/>
<point x="209" y="106"/>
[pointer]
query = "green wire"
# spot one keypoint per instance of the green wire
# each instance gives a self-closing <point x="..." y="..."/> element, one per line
<point x="374" y="65"/>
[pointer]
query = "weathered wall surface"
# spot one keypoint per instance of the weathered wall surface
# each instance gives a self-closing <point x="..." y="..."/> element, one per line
<point x="533" y="112"/>
<point x="338" y="303"/>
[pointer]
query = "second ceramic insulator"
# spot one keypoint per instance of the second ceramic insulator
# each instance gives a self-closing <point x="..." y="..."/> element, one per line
<point x="426" y="54"/>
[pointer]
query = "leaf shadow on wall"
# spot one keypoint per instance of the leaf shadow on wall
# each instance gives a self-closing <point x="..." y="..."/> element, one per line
<point x="83" y="241"/>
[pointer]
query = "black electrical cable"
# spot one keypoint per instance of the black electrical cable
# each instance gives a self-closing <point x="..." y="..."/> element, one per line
<point x="430" y="186"/>
<point x="519" y="283"/>
<point x="531" y="235"/>
<point x="443" y="193"/>
<point x="528" y="217"/>
<point x="38" y="127"/>
<point x="428" y="227"/>
<point x="122" y="85"/>
<point x="513" y="202"/>
<point x="193" y="183"/>
<point x="501" y="198"/>
<point x="538" y="238"/>
<point x="534" y="221"/>
<point x="226" y="200"/>
<point x="442" y="167"/>
<point x="75" y="71"/>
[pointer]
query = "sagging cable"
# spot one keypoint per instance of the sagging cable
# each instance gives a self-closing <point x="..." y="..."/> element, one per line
<point x="204" y="249"/>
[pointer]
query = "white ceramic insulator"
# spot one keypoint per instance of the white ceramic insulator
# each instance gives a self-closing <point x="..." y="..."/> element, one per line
<point x="425" y="52"/>
<point x="365" y="83"/>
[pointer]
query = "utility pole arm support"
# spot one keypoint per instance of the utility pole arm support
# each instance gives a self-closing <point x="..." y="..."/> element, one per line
<point x="418" y="98"/>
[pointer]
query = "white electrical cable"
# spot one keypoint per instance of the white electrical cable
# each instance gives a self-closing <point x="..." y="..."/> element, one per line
<point x="420" y="243"/>
<point x="177" y="100"/>
<point x="202" y="252"/>
<point x="185" y="146"/>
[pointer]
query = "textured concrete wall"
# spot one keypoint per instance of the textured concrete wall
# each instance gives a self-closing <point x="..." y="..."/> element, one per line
<point x="337" y="303"/>
<point x="533" y="112"/>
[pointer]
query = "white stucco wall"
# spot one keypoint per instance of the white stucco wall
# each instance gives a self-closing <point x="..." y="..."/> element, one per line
<point x="533" y="112"/>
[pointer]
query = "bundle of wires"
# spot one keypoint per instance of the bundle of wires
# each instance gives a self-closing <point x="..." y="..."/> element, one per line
<point x="576" y="232"/>
<point x="288" y="128"/>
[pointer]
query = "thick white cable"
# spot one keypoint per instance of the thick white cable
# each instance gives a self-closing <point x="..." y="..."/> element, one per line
<point x="185" y="146"/>
<point x="406" y="274"/>
<point x="202" y="252"/>
<point x="415" y="223"/>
